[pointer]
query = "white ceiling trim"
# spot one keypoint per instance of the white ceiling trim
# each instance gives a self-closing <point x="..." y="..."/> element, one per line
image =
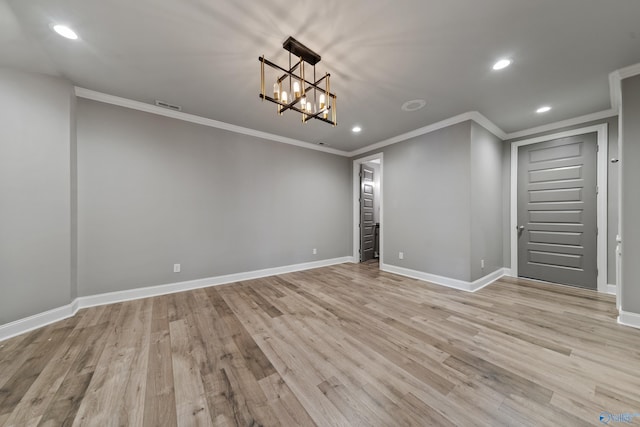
<point x="615" y="80"/>
<point x="471" y="115"/>
<point x="564" y="123"/>
<point x="630" y="71"/>
<point x="614" y="90"/>
<point x="614" y="86"/>
<point x="153" y="109"/>
<point x="488" y="125"/>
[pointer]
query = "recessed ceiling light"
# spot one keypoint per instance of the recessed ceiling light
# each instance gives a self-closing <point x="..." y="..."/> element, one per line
<point x="356" y="129"/>
<point x="413" y="105"/>
<point x="543" y="109"/>
<point x="65" y="31"/>
<point x="503" y="63"/>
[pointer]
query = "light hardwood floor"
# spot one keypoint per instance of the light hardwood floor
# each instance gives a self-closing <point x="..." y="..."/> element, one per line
<point x="342" y="345"/>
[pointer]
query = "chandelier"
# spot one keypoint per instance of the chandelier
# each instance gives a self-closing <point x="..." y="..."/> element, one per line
<point x="292" y="90"/>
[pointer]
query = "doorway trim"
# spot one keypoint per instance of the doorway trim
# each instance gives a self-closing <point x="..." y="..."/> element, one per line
<point x="601" y="180"/>
<point x="356" y="206"/>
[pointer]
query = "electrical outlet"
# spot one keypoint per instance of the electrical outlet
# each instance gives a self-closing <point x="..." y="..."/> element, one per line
<point x="176" y="268"/>
<point x="481" y="263"/>
<point x="315" y="251"/>
<point x="401" y="255"/>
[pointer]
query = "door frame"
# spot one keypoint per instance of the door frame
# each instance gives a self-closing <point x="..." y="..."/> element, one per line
<point x="356" y="206"/>
<point x="601" y="210"/>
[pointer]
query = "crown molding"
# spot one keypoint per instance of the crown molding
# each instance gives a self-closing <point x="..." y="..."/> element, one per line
<point x="192" y="118"/>
<point x="563" y="124"/>
<point x="468" y="116"/>
<point x="488" y="125"/>
<point x="614" y="88"/>
<point x="630" y="71"/>
<point x="154" y="109"/>
<point x="615" y="80"/>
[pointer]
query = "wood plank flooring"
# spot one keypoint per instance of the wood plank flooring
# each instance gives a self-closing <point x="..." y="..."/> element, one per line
<point x="343" y="345"/>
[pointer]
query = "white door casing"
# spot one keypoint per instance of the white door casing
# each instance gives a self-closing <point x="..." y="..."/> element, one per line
<point x="602" y="170"/>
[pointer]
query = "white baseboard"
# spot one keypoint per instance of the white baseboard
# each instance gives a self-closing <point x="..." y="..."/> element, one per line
<point x="39" y="320"/>
<point x="171" y="288"/>
<point x="488" y="279"/>
<point x="629" y="319"/>
<point x="446" y="281"/>
<point x="611" y="289"/>
<point x="36" y="321"/>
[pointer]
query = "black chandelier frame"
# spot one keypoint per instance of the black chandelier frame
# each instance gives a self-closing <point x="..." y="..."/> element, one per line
<point x="296" y="73"/>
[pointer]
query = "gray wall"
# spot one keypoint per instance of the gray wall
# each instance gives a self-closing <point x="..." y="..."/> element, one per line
<point x="36" y="121"/>
<point x="630" y="155"/>
<point x="426" y="190"/>
<point x="154" y="191"/>
<point x="137" y="193"/>
<point x="612" y="213"/>
<point x="486" y="202"/>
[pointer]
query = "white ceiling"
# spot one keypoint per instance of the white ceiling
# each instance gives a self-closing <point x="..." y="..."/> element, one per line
<point x="203" y="55"/>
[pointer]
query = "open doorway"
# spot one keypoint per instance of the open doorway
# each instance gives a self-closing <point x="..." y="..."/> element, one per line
<point x="367" y="209"/>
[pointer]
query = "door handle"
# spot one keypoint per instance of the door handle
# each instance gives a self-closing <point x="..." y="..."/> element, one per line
<point x="520" y="228"/>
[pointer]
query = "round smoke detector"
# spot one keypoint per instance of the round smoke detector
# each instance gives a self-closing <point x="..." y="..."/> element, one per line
<point x="413" y="105"/>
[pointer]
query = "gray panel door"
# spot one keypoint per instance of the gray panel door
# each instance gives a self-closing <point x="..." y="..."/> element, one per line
<point x="557" y="209"/>
<point x="367" y="226"/>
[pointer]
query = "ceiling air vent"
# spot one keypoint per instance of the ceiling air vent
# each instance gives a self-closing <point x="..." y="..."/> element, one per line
<point x="168" y="106"/>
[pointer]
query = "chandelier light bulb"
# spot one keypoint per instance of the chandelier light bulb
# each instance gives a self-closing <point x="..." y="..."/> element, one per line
<point x="322" y="101"/>
<point x="284" y="96"/>
<point x="296" y="89"/>
<point x="276" y="91"/>
<point x="303" y="102"/>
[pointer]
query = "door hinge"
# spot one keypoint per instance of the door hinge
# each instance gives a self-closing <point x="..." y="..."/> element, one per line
<point x="597" y="148"/>
<point x="597" y="189"/>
